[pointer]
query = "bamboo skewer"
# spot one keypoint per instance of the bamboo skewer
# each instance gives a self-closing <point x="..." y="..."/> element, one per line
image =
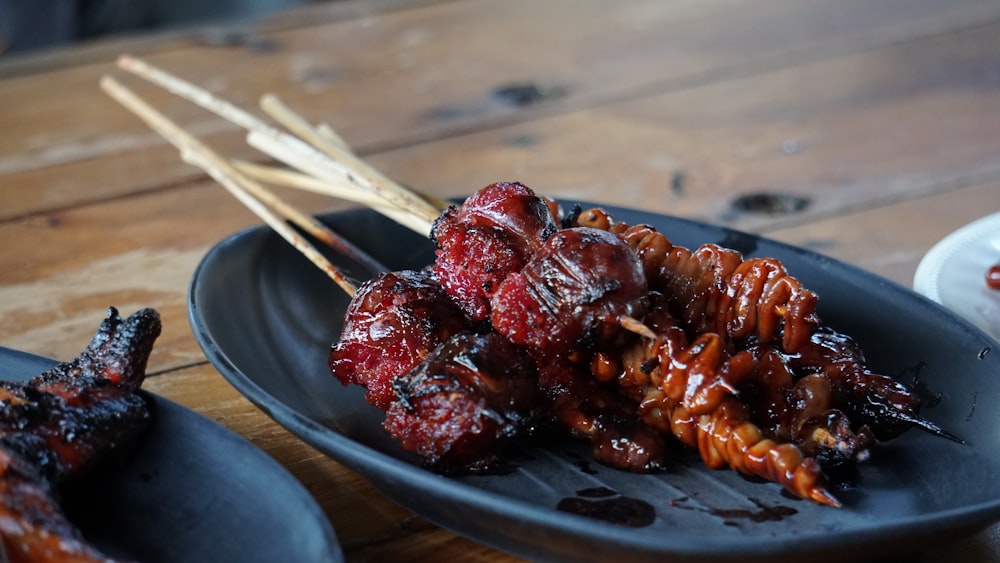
<point x="636" y="326"/>
<point x="319" y="169"/>
<point x="324" y="130"/>
<point x="333" y="145"/>
<point x="247" y="191"/>
<point x="322" y="163"/>
<point x="323" y="139"/>
<point x="307" y="157"/>
<point x="292" y="179"/>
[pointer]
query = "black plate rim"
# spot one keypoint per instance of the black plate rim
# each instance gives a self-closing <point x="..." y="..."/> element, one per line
<point x="379" y="468"/>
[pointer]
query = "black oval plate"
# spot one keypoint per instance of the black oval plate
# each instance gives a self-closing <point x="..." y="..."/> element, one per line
<point x="266" y="318"/>
<point x="192" y="491"/>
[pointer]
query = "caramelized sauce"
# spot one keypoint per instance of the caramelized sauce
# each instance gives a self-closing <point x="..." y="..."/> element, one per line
<point x="606" y="505"/>
<point x="993" y="277"/>
<point x="601" y="503"/>
<point x="764" y="513"/>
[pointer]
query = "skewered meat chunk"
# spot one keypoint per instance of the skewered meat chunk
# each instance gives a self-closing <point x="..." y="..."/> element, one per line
<point x="690" y="391"/>
<point x="570" y="295"/>
<point x="461" y="405"/>
<point x="491" y="235"/>
<point x="561" y="306"/>
<point x="453" y="397"/>
<point x="394" y="321"/>
<point x="802" y="410"/>
<point x="61" y="423"/>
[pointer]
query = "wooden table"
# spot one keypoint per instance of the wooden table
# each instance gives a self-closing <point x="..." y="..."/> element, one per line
<point x="875" y="126"/>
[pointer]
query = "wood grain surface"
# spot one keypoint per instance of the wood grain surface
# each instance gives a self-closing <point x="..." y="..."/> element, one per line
<point x="865" y="131"/>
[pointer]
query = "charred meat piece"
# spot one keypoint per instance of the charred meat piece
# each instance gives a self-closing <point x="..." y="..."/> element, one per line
<point x="801" y="408"/>
<point x="493" y="234"/>
<point x="63" y="422"/>
<point x="877" y="401"/>
<point x="33" y="525"/>
<point x="571" y="293"/>
<point x="461" y="406"/>
<point x="394" y="321"/>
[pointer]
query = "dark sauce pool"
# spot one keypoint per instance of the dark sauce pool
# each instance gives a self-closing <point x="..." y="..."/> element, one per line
<point x="606" y="505"/>
<point x="763" y="513"/>
<point x="601" y="503"/>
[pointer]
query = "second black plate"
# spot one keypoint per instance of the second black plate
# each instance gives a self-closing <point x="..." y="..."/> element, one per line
<point x="192" y="491"/>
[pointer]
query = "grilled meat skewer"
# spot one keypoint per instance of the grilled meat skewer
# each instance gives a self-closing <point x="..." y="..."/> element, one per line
<point x="62" y="422"/>
<point x="747" y="360"/>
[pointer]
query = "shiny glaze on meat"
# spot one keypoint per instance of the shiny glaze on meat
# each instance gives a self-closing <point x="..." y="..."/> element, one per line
<point x="394" y="321"/>
<point x="461" y="405"/>
<point x="570" y="294"/>
<point x="490" y="236"/>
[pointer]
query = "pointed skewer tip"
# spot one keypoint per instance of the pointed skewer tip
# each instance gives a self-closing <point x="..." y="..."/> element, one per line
<point x="936" y="430"/>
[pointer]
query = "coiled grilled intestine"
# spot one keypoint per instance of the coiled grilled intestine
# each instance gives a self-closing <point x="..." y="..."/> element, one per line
<point x="713" y="289"/>
<point x="726" y="436"/>
<point x="803" y="410"/>
<point x="690" y="391"/>
<point x="755" y="304"/>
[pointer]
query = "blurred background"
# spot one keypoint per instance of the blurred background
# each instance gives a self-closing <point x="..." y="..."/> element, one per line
<point x="34" y="25"/>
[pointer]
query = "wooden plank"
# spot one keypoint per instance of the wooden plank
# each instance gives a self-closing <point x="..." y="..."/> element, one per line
<point x="838" y="134"/>
<point x="444" y="61"/>
<point x="890" y="241"/>
<point x="232" y="33"/>
<point x="67" y="267"/>
<point x="857" y="139"/>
